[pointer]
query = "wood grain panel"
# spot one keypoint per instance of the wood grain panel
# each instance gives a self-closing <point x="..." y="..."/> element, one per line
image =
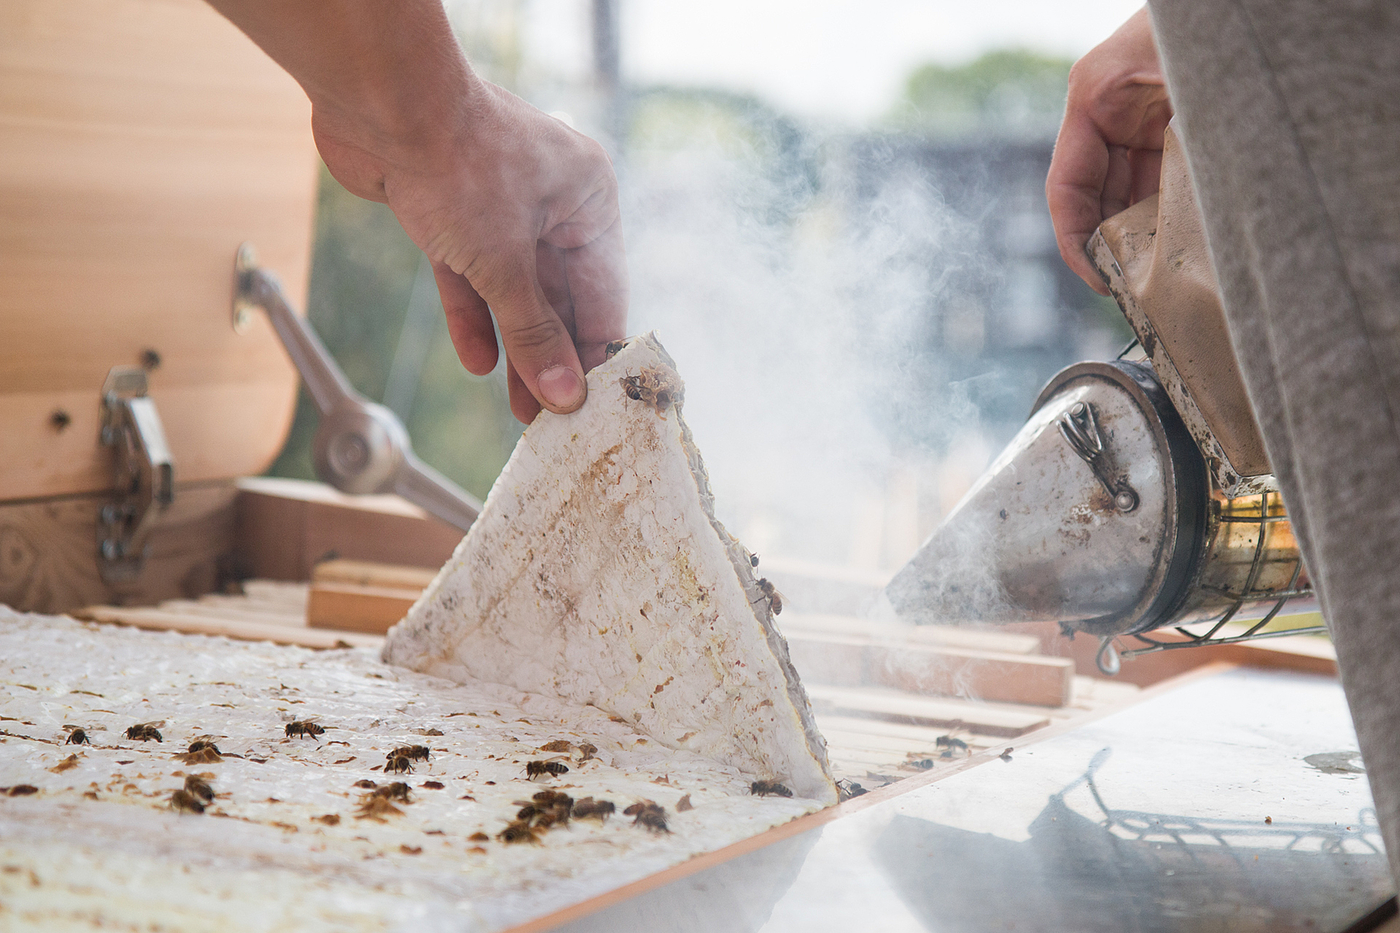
<point x="140" y="142"/>
<point x="48" y="551"/>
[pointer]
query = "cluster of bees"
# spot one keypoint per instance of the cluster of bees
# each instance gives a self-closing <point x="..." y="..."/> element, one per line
<point x="551" y="808"/>
<point x="401" y="759"/>
<point x="950" y="745"/>
<point x="378" y="802"/>
<point x="655" y="387"/>
<point x="544" y="811"/>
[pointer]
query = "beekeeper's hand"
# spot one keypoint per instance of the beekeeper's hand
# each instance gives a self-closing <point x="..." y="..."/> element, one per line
<point x="517" y="211"/>
<point x="1109" y="152"/>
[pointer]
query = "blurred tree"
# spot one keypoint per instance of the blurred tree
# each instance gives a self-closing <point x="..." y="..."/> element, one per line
<point x="362" y="278"/>
<point x="1006" y="93"/>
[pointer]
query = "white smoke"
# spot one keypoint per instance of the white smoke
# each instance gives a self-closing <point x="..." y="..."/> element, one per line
<point x="798" y="308"/>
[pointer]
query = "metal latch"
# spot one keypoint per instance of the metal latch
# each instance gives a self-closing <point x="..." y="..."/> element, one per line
<point x="1080" y="428"/>
<point x="144" y="476"/>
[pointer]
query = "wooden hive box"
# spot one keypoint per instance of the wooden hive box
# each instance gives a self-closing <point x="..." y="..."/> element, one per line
<point x="141" y="142"/>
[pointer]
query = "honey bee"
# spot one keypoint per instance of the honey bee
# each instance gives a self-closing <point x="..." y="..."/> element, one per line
<point x="545" y="809"/>
<point x="398" y="764"/>
<point x="395" y="791"/>
<point x="775" y="599"/>
<point x="537" y="769"/>
<point x="411" y="752"/>
<point x="648" y="814"/>
<point x="204" y="742"/>
<point x="615" y="347"/>
<point x="196" y="785"/>
<point x="768" y="789"/>
<point x="145" y="731"/>
<point x="950" y="744"/>
<point x="590" y="809"/>
<point x="519" y="832"/>
<point x="653" y="386"/>
<point x="77" y="736"/>
<point x="845" y="790"/>
<point x="302" y="727"/>
<point x="376" y="808"/>
<point x="206" y="755"/>
<point x="185" y="802"/>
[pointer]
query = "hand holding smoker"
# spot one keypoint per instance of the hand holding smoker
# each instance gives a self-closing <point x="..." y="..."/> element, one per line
<point x="1138" y="494"/>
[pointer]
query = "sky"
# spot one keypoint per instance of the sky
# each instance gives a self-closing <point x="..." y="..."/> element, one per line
<point x="839" y="60"/>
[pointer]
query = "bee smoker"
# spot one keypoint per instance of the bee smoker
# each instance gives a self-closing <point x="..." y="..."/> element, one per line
<point x="1138" y="494"/>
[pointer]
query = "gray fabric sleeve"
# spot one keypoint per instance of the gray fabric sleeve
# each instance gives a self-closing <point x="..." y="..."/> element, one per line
<point x="1289" y="112"/>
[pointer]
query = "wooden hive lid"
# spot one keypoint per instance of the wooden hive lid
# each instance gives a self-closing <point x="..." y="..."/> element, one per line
<point x="141" y="141"/>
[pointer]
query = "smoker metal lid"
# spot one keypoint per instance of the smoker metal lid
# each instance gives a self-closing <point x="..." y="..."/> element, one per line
<point x="1184" y="489"/>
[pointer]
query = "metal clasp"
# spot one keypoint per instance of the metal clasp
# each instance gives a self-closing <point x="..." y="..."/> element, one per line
<point x="1080" y="427"/>
<point x="361" y="446"/>
<point x="143" y="472"/>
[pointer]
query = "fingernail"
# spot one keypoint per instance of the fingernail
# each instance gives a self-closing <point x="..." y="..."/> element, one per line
<point x="561" y="387"/>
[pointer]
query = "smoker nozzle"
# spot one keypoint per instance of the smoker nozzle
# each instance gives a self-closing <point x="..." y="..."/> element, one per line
<point x="1090" y="517"/>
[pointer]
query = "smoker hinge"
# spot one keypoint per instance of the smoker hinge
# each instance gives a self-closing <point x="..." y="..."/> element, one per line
<point x="143" y="473"/>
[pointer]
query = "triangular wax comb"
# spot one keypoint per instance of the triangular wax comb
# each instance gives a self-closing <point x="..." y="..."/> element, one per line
<point x="597" y="573"/>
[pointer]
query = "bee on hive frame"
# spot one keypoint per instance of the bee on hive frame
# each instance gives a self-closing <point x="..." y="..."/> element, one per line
<point x="648" y="814"/>
<point x="306" y="727"/>
<point x="411" y="752"/>
<point x="538" y="769"/>
<point x="77" y="736"/>
<point x="768" y="789"/>
<point x="185" y="802"/>
<point x="145" y="731"/>
<point x="196" y="785"/>
<point x="775" y="599"/>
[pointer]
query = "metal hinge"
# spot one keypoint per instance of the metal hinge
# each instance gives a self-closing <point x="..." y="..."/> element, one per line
<point x="143" y="472"/>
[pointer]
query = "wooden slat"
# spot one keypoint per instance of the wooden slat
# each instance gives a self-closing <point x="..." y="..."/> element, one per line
<point x="914" y="736"/>
<point x="909" y="708"/>
<point x="287" y="527"/>
<point x="232" y="611"/>
<point x="952" y="636"/>
<point x="353" y="608"/>
<point x="161" y="619"/>
<point x="939" y="671"/>
<point x="371" y="573"/>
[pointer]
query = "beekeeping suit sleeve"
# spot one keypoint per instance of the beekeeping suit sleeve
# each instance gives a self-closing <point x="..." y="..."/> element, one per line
<point x="1289" y="112"/>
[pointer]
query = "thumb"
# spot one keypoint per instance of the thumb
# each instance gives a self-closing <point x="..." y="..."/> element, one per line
<point x="536" y="341"/>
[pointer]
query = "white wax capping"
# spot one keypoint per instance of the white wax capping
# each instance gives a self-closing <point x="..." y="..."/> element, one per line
<point x="598" y="574"/>
<point x="287" y="842"/>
